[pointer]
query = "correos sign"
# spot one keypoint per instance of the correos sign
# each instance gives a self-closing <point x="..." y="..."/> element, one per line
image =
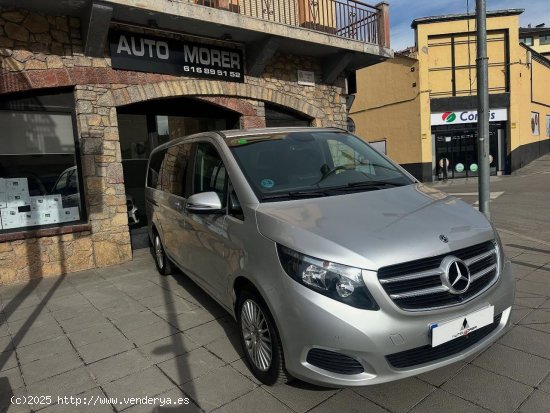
<point x="466" y="116"/>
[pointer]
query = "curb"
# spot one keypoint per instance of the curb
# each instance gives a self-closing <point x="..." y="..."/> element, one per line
<point x="523" y="236"/>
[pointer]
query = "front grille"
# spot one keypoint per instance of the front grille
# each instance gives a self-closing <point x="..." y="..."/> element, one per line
<point x="334" y="362"/>
<point x="425" y="354"/>
<point x="416" y="285"/>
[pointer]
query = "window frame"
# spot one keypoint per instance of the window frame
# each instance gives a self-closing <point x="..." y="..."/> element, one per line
<point x="525" y="42"/>
<point x="546" y="39"/>
<point x="51" y="101"/>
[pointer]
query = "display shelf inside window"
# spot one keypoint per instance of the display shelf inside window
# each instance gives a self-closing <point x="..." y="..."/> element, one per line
<point x="39" y="182"/>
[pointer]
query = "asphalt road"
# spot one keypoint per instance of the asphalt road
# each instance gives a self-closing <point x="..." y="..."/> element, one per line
<point x="519" y="203"/>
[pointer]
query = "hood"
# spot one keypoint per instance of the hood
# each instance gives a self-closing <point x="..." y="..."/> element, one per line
<point x="376" y="228"/>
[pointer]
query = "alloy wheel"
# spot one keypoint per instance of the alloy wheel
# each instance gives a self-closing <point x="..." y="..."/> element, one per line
<point x="256" y="335"/>
<point x="159" y="252"/>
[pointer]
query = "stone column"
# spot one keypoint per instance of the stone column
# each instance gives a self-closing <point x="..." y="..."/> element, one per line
<point x="383" y="23"/>
<point x="102" y="175"/>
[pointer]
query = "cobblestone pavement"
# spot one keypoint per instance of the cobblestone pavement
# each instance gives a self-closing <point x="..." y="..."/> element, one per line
<point x="125" y="331"/>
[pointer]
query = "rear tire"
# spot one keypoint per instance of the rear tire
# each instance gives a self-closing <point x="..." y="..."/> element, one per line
<point x="163" y="263"/>
<point x="260" y="340"/>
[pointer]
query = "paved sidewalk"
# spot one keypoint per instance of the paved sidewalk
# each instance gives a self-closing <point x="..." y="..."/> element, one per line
<point x="126" y="331"/>
<point x="538" y="166"/>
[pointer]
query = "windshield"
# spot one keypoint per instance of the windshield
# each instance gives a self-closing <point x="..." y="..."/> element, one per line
<point x="311" y="164"/>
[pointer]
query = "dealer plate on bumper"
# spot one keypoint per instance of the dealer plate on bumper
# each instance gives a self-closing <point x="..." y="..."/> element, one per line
<point x="449" y="330"/>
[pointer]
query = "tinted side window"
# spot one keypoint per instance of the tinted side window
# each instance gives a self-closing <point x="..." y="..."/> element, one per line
<point x="154" y="169"/>
<point x="210" y="173"/>
<point x="175" y="165"/>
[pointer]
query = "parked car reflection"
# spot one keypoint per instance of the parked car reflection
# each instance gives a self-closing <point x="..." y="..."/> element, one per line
<point x="67" y="186"/>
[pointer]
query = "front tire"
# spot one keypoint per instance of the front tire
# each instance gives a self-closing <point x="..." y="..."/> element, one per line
<point x="260" y="340"/>
<point x="163" y="263"/>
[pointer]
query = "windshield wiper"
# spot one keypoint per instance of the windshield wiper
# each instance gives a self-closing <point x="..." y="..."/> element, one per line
<point x="371" y="185"/>
<point x="296" y="195"/>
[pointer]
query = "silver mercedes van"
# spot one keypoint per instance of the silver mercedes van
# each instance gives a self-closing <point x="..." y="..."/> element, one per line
<point x="339" y="267"/>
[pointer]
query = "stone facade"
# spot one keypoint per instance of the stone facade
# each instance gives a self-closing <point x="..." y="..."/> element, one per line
<point x="39" y="51"/>
<point x="45" y="256"/>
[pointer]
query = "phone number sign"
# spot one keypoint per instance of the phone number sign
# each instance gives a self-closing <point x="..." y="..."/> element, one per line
<point x="144" y="53"/>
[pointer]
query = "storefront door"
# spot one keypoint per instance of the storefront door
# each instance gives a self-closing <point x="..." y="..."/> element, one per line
<point x="456" y="150"/>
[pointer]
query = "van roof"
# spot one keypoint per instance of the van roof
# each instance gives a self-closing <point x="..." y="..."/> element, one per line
<point x="236" y="133"/>
<point x="232" y="133"/>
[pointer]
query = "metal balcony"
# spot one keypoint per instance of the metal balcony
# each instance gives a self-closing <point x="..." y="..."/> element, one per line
<point x="350" y="19"/>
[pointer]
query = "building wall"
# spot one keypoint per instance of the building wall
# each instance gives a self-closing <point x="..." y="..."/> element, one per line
<point x="461" y="47"/>
<point x="390" y="109"/>
<point x="384" y="90"/>
<point x="531" y="93"/>
<point x="494" y="51"/>
<point x="40" y="51"/>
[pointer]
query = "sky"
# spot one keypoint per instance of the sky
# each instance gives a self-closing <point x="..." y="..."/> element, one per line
<point x="403" y="12"/>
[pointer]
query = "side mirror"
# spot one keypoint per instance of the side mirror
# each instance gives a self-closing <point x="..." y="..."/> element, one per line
<point x="204" y="203"/>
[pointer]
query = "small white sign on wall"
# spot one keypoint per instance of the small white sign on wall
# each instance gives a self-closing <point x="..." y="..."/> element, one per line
<point x="535" y="123"/>
<point x="306" y="78"/>
<point x="380" y="146"/>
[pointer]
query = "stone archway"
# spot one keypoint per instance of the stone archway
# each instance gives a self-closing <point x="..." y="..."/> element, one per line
<point x="250" y="111"/>
<point x="208" y="89"/>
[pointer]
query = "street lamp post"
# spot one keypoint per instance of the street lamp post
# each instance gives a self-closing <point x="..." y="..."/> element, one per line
<point x="482" y="108"/>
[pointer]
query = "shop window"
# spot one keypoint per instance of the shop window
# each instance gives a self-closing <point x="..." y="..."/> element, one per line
<point x="39" y="174"/>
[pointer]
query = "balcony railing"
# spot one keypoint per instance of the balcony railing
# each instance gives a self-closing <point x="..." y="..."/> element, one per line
<point x="350" y="19"/>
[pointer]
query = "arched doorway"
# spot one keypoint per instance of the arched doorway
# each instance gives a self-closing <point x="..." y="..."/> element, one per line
<point x="144" y="126"/>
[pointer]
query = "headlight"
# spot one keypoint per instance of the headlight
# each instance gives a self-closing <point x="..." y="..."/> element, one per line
<point x="337" y="281"/>
<point x="499" y="249"/>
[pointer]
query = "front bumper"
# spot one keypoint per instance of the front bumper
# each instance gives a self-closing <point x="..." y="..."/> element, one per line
<point x="315" y="321"/>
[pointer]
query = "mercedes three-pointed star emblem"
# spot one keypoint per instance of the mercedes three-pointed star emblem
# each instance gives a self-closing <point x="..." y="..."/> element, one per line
<point x="456" y="275"/>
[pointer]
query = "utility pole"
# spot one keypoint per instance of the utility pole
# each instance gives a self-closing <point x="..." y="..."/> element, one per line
<point x="482" y="108"/>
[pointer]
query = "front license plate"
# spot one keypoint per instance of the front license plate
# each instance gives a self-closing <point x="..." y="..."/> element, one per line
<point x="449" y="330"/>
